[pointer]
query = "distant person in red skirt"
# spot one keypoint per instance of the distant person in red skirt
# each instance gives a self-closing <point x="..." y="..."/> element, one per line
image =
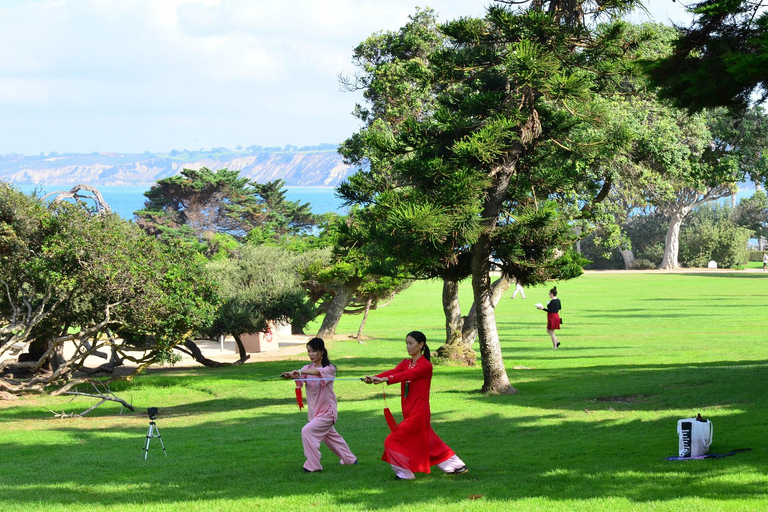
<point x="413" y="446"/>
<point x="553" y="316"/>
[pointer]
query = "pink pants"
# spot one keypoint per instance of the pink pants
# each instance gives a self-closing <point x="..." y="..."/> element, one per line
<point x="448" y="466"/>
<point x="320" y="430"/>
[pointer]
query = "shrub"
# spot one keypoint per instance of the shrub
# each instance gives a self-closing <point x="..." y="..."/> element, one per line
<point x="601" y="258"/>
<point x="643" y="264"/>
<point x="711" y="235"/>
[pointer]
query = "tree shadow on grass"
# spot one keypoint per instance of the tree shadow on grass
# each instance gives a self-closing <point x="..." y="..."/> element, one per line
<point x="511" y="457"/>
<point x="730" y="275"/>
<point x="572" y="435"/>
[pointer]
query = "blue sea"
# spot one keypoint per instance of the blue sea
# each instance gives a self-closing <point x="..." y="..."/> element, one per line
<point x="124" y="200"/>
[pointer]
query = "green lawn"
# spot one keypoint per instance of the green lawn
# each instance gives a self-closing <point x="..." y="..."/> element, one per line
<point x="589" y="429"/>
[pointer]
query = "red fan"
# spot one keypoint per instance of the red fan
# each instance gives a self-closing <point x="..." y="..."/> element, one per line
<point x="388" y="414"/>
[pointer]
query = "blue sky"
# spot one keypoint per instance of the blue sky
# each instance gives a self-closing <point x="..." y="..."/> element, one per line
<point x="156" y="75"/>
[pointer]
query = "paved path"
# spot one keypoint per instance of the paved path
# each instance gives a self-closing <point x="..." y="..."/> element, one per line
<point x="288" y="346"/>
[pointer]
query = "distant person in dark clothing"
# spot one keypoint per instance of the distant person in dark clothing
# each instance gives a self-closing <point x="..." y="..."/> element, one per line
<point x="553" y="316"/>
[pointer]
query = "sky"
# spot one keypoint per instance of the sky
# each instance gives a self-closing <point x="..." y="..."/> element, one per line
<point x="130" y="76"/>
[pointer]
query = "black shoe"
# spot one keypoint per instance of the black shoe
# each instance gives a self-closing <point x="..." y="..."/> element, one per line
<point x="558" y="344"/>
<point x="309" y="471"/>
<point x="459" y="471"/>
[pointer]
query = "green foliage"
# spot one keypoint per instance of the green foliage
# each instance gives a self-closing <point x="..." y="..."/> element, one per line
<point x="197" y="206"/>
<point x="720" y="60"/>
<point x="528" y="246"/>
<point x="711" y="235"/>
<point x="97" y="274"/>
<point x="643" y="264"/>
<point x="752" y="213"/>
<point x="600" y="257"/>
<point x="259" y="284"/>
<point x="647" y="233"/>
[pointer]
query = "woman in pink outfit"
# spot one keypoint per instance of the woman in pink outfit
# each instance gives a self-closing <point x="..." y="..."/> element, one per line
<point x="317" y="378"/>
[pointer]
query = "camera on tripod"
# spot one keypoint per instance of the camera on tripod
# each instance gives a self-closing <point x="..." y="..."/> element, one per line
<point x="153" y="432"/>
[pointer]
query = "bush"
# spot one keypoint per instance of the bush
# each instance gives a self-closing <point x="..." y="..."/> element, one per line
<point x="648" y="233"/>
<point x="711" y="235"/>
<point x="643" y="264"/>
<point x="260" y="284"/>
<point x="755" y="256"/>
<point x="601" y="258"/>
<point x="653" y="253"/>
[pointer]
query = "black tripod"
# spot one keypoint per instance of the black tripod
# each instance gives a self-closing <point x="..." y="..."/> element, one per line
<point x="153" y="432"/>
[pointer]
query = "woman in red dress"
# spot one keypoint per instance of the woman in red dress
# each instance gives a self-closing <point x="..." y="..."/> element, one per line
<point x="413" y="446"/>
<point x="553" y="316"/>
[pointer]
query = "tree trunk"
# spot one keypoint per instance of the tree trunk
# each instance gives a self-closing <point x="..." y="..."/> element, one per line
<point x="672" y="242"/>
<point x="629" y="258"/>
<point x="452" y="311"/>
<point x="454" y="348"/>
<point x="365" y="317"/>
<point x="687" y="199"/>
<point x="469" y="331"/>
<point x="495" y="378"/>
<point x="336" y="309"/>
<point x="194" y="351"/>
<point x="577" y="230"/>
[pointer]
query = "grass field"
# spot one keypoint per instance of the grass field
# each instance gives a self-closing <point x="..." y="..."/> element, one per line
<point x="589" y="428"/>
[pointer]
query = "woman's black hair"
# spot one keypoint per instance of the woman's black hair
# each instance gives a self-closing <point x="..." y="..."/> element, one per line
<point x="318" y="345"/>
<point x="419" y="337"/>
<point x="553" y="291"/>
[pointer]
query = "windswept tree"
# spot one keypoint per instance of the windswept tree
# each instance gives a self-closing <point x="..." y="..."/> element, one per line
<point x="462" y="152"/>
<point x="259" y="286"/>
<point x="350" y="276"/>
<point x="197" y="206"/>
<point x="94" y="282"/>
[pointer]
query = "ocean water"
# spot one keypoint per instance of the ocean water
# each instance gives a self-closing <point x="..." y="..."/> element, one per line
<point x="124" y="200"/>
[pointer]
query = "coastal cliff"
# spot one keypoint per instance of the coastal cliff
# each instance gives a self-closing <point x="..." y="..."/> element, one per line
<point x="318" y="166"/>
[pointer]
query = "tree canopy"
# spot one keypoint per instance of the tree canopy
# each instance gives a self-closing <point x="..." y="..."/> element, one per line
<point x="485" y="151"/>
<point x="93" y="281"/>
<point x="198" y="206"/>
<point x="720" y="60"/>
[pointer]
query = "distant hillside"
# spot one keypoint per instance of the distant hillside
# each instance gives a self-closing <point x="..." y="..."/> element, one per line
<point x="319" y="166"/>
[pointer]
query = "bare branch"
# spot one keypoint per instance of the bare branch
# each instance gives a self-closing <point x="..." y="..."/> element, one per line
<point x="74" y="193"/>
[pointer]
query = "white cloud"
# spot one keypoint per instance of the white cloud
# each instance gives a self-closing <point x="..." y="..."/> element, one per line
<point x="135" y="75"/>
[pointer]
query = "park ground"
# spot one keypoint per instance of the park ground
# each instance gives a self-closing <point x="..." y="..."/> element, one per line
<point x="589" y="429"/>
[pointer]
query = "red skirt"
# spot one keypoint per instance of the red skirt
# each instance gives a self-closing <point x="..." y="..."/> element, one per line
<point x="553" y="321"/>
<point x="414" y="445"/>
